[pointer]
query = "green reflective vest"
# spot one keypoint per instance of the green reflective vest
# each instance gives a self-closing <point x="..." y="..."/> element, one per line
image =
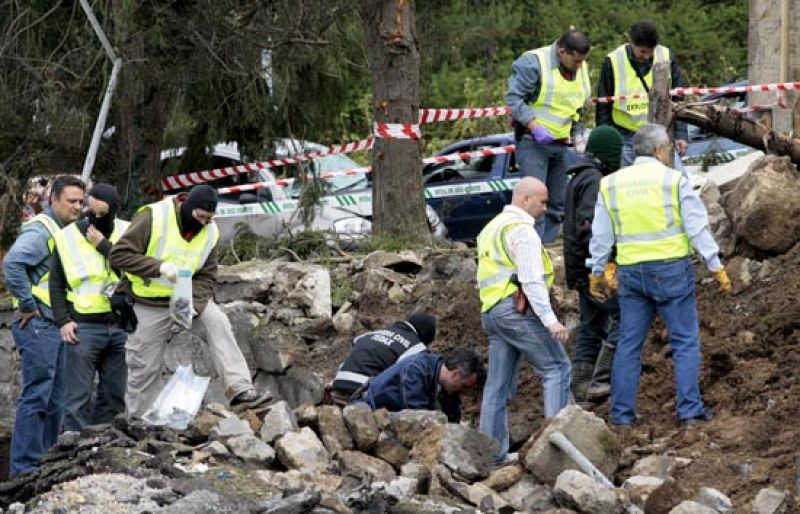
<point x="166" y="244"/>
<point x="632" y="113"/>
<point x="90" y="279"/>
<point x="642" y="202"/>
<point x="41" y="289"/>
<point x="559" y="100"/>
<point x="495" y="266"/>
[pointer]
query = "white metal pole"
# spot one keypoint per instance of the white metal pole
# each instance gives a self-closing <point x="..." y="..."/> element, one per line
<point x="564" y="444"/>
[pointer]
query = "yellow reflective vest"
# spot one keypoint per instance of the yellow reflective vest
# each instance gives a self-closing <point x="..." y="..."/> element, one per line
<point x="559" y="100"/>
<point x="166" y="244"/>
<point x="632" y="113"/>
<point x="642" y="202"/>
<point x="90" y="279"/>
<point x="495" y="266"/>
<point x="41" y="289"/>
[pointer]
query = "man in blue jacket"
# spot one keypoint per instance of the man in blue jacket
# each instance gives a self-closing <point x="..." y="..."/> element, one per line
<point x="425" y="380"/>
<point x="27" y="269"/>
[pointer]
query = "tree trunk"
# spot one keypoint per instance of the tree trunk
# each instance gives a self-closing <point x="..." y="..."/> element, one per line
<point x="727" y="123"/>
<point x="660" y="105"/>
<point x="398" y="202"/>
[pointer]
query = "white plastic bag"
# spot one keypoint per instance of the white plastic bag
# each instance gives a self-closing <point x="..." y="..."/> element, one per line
<point x="179" y="401"/>
<point x="180" y="303"/>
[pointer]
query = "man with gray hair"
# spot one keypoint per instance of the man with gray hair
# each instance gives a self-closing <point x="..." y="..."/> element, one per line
<point x="649" y="212"/>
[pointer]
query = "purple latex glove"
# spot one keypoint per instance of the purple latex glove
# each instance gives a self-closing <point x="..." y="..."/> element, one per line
<point x="542" y="135"/>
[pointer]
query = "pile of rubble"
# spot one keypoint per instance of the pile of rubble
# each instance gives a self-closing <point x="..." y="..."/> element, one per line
<point x="324" y="459"/>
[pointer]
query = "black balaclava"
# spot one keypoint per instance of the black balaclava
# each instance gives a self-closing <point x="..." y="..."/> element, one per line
<point x="106" y="193"/>
<point x="200" y="197"/>
<point x="425" y="325"/>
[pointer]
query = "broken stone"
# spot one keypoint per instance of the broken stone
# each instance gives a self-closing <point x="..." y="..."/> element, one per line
<point x="331" y="424"/>
<point x="467" y="452"/>
<point x="409" y="424"/>
<point x="528" y="496"/>
<point x="396" y="294"/>
<point x="302" y="450"/>
<point x="502" y="478"/>
<point x="333" y="445"/>
<point x="358" y="464"/>
<point x="303" y="501"/>
<point x="306" y="415"/>
<point x="298" y="385"/>
<point x="738" y="269"/>
<point x="712" y="498"/>
<point x="770" y="501"/>
<point x="249" y="448"/>
<point x="640" y="487"/>
<point x="230" y="427"/>
<point x="253" y="419"/>
<point x="580" y="492"/>
<point x="383" y="418"/>
<point x="204" y="421"/>
<point x="294" y="480"/>
<point x="343" y="322"/>
<point x="363" y="427"/>
<point x="447" y="267"/>
<point x="660" y="466"/>
<point x="217" y="449"/>
<point x="403" y="262"/>
<point x="484" y="498"/>
<point x="400" y="487"/>
<point x="665" y="498"/>
<point x="692" y="507"/>
<point x="764" y="206"/>
<point x="587" y="432"/>
<point x="418" y="472"/>
<point x="279" y="420"/>
<point x="379" y="280"/>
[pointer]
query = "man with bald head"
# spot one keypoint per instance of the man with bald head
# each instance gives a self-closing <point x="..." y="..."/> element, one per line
<point x="511" y="257"/>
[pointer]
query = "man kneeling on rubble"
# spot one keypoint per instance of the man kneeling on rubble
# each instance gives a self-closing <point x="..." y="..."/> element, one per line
<point x="164" y="237"/>
<point x="375" y="351"/>
<point x="426" y="381"/>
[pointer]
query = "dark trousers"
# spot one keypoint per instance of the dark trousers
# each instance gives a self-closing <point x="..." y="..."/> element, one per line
<point x="599" y="322"/>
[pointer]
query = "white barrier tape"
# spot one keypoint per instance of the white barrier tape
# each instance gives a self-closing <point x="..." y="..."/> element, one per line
<point x="437" y="115"/>
<point x="349" y="200"/>
<point x="459" y="156"/>
<point x="396" y="130"/>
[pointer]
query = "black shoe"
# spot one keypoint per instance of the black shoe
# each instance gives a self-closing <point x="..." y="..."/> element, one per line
<point x="707" y="415"/>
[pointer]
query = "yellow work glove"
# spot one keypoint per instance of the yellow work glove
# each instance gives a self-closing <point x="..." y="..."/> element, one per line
<point x="598" y="287"/>
<point x="724" y="282"/>
<point x="610" y="275"/>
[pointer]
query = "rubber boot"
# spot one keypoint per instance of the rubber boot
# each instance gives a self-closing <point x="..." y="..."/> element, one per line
<point x="581" y="378"/>
<point x="600" y="387"/>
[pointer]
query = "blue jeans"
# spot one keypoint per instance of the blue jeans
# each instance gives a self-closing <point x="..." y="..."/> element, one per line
<point x="599" y="322"/>
<point x="628" y="154"/>
<point x="41" y="404"/>
<point x="548" y="163"/>
<point x="101" y="351"/>
<point x="511" y="336"/>
<point x="666" y="287"/>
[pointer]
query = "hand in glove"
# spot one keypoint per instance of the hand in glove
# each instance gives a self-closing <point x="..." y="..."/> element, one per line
<point x="598" y="288"/>
<point x="542" y="135"/>
<point x="610" y="275"/>
<point x="724" y="282"/>
<point x="169" y="271"/>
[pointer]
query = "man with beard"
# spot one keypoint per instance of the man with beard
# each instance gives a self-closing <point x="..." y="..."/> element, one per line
<point x="81" y="285"/>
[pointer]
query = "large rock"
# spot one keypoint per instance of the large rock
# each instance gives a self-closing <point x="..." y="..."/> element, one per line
<point x="469" y="454"/>
<point x="528" y="496"/>
<point x="692" y="507"/>
<point x="666" y="497"/>
<point x="502" y="478"/>
<point x="277" y="422"/>
<point x="770" y="501"/>
<point x="580" y="492"/>
<point x="230" y="427"/>
<point x="361" y="421"/>
<point x="715" y="499"/>
<point x="408" y="425"/>
<point x="297" y="386"/>
<point x="587" y="432"/>
<point x="477" y="494"/>
<point x="418" y="472"/>
<point x="302" y="450"/>
<point x="251" y="449"/>
<point x="331" y="424"/>
<point x="764" y="206"/>
<point x="449" y="266"/>
<point x="640" y="487"/>
<point x="358" y="464"/>
<point x="718" y="221"/>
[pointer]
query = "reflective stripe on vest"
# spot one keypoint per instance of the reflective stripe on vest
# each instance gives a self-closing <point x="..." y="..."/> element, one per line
<point x="632" y="113"/>
<point x="642" y="201"/>
<point x="495" y="267"/>
<point x="351" y="376"/>
<point x="167" y="244"/>
<point x="559" y="100"/>
<point x="41" y="289"/>
<point x="90" y="280"/>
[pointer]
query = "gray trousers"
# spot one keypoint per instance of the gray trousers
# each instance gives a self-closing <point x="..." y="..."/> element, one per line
<point x="145" y="354"/>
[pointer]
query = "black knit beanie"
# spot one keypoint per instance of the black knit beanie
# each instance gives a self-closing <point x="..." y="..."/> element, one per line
<point x="202" y="197"/>
<point x="106" y="193"/>
<point x="425" y="325"/>
<point x="605" y="143"/>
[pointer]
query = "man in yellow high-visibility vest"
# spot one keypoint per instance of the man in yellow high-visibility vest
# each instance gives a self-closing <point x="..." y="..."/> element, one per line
<point x="165" y="237"/>
<point x="26" y="267"/>
<point x="547" y="90"/>
<point x="81" y="285"/>
<point x="627" y="71"/>
<point x="507" y="246"/>
<point x="651" y="215"/>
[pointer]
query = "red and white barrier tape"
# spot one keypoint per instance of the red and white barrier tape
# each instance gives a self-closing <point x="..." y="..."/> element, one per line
<point x="459" y="156"/>
<point x="396" y="130"/>
<point x="684" y="91"/>
<point x="758" y="108"/>
<point x="436" y="115"/>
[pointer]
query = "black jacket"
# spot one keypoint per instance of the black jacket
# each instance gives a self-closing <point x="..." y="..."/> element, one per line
<point x="580" y="199"/>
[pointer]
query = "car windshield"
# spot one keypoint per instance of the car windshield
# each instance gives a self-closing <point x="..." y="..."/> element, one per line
<point x="333" y="163"/>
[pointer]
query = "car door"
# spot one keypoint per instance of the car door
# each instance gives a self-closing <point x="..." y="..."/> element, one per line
<point x="464" y="193"/>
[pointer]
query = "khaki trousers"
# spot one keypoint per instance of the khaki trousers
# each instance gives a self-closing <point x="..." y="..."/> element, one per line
<point x="145" y="354"/>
